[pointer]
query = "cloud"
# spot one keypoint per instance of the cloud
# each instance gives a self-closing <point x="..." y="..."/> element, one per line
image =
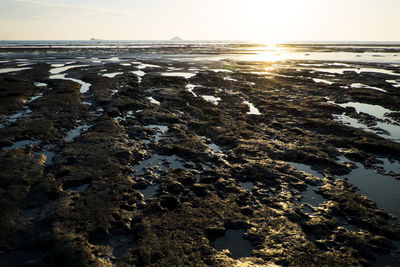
<point x="88" y="10"/>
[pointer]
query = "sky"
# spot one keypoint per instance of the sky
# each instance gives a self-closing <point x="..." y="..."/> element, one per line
<point x="268" y="21"/>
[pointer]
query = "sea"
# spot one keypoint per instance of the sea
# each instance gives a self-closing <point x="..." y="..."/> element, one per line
<point x="364" y="52"/>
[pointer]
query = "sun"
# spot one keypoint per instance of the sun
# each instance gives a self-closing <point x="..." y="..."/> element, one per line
<point x="272" y="20"/>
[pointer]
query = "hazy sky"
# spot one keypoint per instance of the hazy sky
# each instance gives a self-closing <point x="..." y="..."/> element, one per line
<point x="264" y="20"/>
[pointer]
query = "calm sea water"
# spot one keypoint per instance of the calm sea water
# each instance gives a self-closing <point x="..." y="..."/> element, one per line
<point x="364" y="52"/>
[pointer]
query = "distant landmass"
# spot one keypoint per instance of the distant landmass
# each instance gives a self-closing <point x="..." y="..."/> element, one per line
<point x="176" y="38"/>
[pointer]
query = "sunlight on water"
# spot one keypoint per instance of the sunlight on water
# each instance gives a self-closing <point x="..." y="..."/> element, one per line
<point x="7" y="70"/>
<point x="253" y="109"/>
<point x="271" y="53"/>
<point x="373" y="110"/>
<point x="280" y="53"/>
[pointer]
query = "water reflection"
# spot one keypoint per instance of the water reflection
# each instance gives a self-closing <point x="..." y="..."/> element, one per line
<point x="281" y="53"/>
<point x="382" y="189"/>
<point x="233" y="241"/>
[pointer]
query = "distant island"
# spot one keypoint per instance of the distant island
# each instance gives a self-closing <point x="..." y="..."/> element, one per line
<point x="176" y="39"/>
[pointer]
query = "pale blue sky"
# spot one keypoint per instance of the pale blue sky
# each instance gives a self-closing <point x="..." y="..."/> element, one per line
<point x="268" y="20"/>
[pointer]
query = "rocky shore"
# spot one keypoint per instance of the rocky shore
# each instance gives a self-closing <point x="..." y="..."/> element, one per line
<point x="157" y="163"/>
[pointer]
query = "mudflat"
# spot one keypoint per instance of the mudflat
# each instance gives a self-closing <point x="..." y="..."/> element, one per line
<point x="198" y="154"/>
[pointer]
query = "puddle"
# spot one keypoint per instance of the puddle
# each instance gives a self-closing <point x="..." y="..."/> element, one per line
<point x="310" y="197"/>
<point x="233" y="241"/>
<point x="353" y="123"/>
<point x="79" y="189"/>
<point x="322" y="81"/>
<point x="393" y="130"/>
<point x="144" y="65"/>
<point x="120" y="244"/>
<point x="311" y="65"/>
<point x="186" y="75"/>
<point x="15" y="117"/>
<point x="153" y="101"/>
<point x="382" y="189"/>
<point x="112" y="75"/>
<point x="389" y="166"/>
<point x="263" y="73"/>
<point x="84" y="86"/>
<point x="307" y="209"/>
<point x="215" y="148"/>
<point x="126" y="64"/>
<point x="76" y="132"/>
<point x="173" y="68"/>
<point x="344" y="223"/>
<point x="39" y="84"/>
<point x="211" y="99"/>
<point x="65" y="68"/>
<point x="129" y="114"/>
<point x="7" y="70"/>
<point x="363" y="86"/>
<point x="247" y="185"/>
<point x="305" y="168"/>
<point x="113" y="59"/>
<point x="114" y="91"/>
<point x="230" y="79"/>
<point x="161" y="130"/>
<point x="149" y="191"/>
<point x="22" y="144"/>
<point x="357" y="70"/>
<point x="140" y="74"/>
<point x="373" y="110"/>
<point x="394" y="83"/>
<point x="387" y="260"/>
<point x="49" y="156"/>
<point x="99" y="112"/>
<point x="33" y="98"/>
<point x="253" y="109"/>
<point x="57" y="65"/>
<point x="190" y="87"/>
<point x="221" y="70"/>
<point x="160" y="162"/>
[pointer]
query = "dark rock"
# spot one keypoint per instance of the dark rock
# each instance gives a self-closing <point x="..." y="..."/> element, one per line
<point x="169" y="202"/>
<point x="201" y="190"/>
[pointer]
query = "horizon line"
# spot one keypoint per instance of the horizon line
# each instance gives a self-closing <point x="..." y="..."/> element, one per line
<point x="201" y="40"/>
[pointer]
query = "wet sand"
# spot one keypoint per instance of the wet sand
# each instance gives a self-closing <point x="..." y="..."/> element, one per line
<point x="193" y="155"/>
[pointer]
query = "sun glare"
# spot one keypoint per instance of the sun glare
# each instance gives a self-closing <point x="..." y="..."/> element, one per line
<point x="269" y="54"/>
<point x="272" y="21"/>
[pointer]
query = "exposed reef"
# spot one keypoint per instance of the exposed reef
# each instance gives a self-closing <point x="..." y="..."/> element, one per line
<point x="142" y="170"/>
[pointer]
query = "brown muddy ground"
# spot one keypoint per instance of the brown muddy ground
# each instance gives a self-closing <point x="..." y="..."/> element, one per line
<point x="114" y="177"/>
